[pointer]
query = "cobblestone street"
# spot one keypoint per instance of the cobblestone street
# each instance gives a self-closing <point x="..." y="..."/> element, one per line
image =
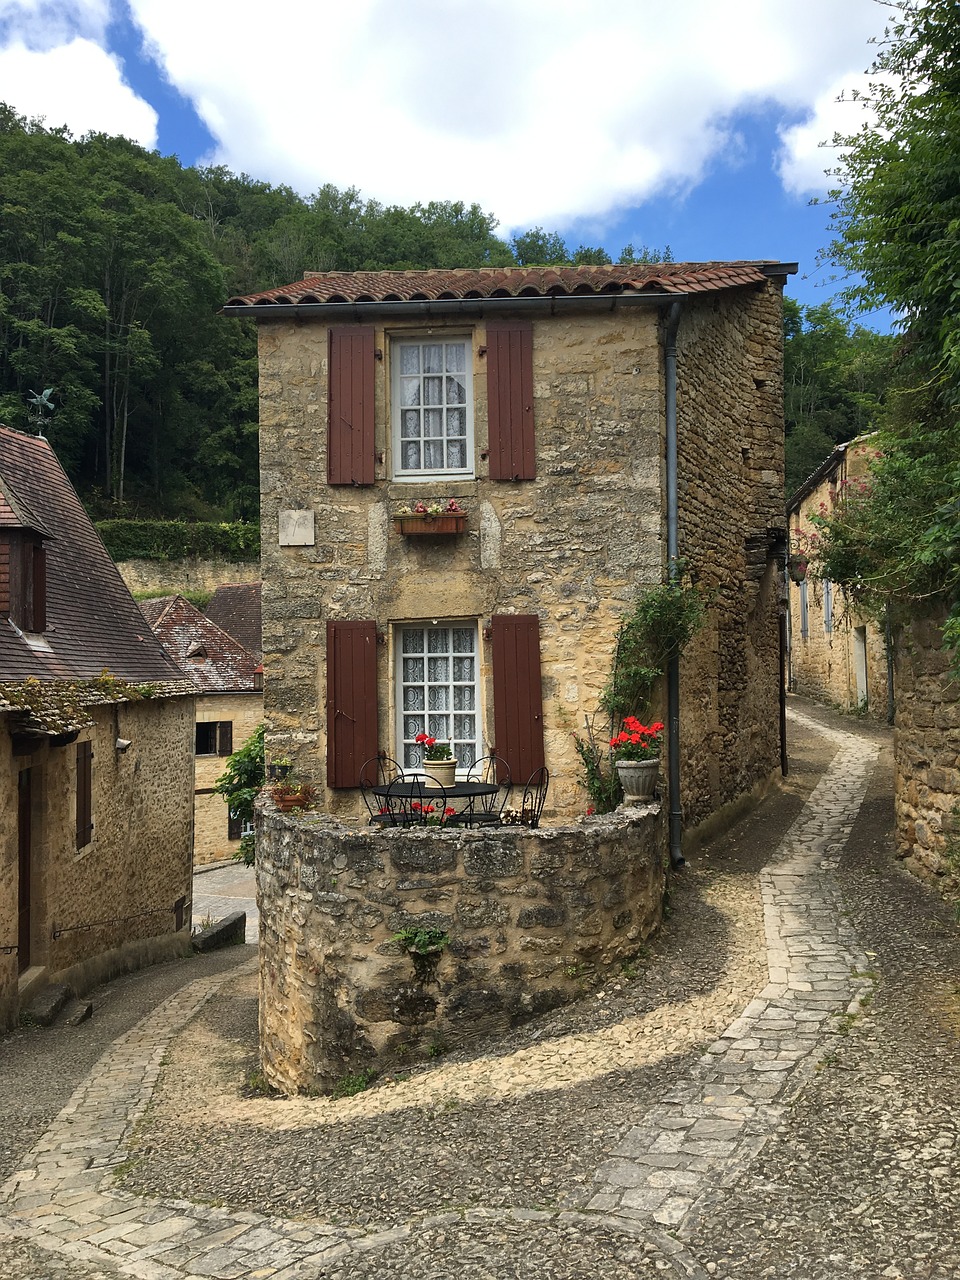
<point x="773" y="1091"/>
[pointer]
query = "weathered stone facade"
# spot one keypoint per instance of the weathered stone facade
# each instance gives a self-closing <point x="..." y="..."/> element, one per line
<point x="572" y="547"/>
<point x="836" y="655"/>
<point x="528" y="914"/>
<point x="927" y="748"/>
<point x="117" y="901"/>
<point x="213" y="841"/>
<point x="163" y="577"/>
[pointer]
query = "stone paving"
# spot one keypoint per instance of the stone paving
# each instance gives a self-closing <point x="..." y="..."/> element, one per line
<point x="678" y="1157"/>
<point x="218" y="890"/>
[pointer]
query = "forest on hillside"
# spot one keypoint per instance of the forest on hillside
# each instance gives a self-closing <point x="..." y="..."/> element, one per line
<point x="114" y="261"/>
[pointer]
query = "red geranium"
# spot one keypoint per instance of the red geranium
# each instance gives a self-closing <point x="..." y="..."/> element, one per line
<point x="636" y="741"/>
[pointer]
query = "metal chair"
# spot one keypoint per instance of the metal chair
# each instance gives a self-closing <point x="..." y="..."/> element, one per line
<point x="379" y="771"/>
<point x="412" y="803"/>
<point x="486" y="811"/>
<point x="534" y="794"/>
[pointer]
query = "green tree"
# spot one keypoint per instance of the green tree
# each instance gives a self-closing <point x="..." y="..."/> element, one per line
<point x="240" y="785"/>
<point x="897" y="223"/>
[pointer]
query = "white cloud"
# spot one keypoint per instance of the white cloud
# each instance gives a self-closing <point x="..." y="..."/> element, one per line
<point x="808" y="152"/>
<point x="44" y="24"/>
<point x="77" y="84"/>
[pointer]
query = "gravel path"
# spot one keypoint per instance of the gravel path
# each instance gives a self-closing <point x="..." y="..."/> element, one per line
<point x="576" y="1146"/>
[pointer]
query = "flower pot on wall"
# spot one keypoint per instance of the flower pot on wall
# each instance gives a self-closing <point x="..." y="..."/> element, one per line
<point x="638" y="779"/>
<point x="441" y="773"/>
<point x="421" y="525"/>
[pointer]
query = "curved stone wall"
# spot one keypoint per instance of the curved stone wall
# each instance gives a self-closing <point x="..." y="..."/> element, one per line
<point x="529" y="915"/>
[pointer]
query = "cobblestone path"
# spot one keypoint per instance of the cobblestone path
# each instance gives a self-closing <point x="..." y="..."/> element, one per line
<point x="678" y="1158"/>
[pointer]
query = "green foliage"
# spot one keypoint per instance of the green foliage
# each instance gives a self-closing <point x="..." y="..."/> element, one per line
<point x="421" y="938"/>
<point x="835" y="379"/>
<point x="243" y="777"/>
<point x="897" y="220"/>
<point x="349" y="1085"/>
<point x="178" y="540"/>
<point x="660" y="625"/>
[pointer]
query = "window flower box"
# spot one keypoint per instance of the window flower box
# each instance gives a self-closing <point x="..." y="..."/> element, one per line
<point x="422" y="520"/>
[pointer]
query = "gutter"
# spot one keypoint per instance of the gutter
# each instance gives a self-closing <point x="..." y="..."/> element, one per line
<point x="549" y="306"/>
<point x="673" y="666"/>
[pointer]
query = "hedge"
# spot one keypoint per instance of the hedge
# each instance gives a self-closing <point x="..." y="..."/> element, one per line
<point x="178" y="540"/>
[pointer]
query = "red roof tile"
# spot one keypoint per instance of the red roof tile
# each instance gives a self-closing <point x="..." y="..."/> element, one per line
<point x="321" y="288"/>
<point x="214" y="661"/>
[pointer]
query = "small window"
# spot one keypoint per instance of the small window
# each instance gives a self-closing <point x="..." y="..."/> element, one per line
<point x="84" y="794"/>
<point x="214" y="738"/>
<point x="828" y="606"/>
<point x="432" y="408"/>
<point x="437" y="687"/>
<point x="804" y="612"/>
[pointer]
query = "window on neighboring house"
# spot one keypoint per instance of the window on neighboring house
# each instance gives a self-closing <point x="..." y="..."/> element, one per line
<point x="804" y="612"/>
<point x="84" y="794"/>
<point x="238" y="827"/>
<point x="432" y="407"/>
<point x="437" y="690"/>
<point x="23" y="581"/>
<point x="828" y="606"/>
<point x="214" y="738"/>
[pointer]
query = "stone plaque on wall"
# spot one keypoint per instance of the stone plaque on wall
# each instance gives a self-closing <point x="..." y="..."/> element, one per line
<point x="296" y="529"/>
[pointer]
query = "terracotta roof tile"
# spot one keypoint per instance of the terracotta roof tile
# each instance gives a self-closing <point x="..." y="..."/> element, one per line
<point x="92" y="621"/>
<point x="213" y="660"/>
<point x="320" y="288"/>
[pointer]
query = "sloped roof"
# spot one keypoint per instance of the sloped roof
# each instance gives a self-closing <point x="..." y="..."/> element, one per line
<point x="213" y="660"/>
<point x="93" y="623"/>
<point x="235" y="608"/>
<point x="333" y="287"/>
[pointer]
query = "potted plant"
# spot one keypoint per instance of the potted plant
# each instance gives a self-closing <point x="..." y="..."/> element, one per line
<point x="430" y="518"/>
<point x="280" y="767"/>
<point x="797" y="566"/>
<point x="635" y="751"/>
<point x="288" y="794"/>
<point x="438" y="760"/>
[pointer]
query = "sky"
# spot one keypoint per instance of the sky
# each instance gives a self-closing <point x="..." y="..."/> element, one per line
<point x="694" y="124"/>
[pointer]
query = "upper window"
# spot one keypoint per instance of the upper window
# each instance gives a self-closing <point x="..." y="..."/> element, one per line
<point x="214" y="738"/>
<point x="437" y="691"/>
<point x="432" y="408"/>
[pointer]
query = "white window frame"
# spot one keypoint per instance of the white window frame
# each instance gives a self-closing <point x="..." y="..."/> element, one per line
<point x="827" y="606"/>
<point x="397" y="383"/>
<point x="405" y="751"/>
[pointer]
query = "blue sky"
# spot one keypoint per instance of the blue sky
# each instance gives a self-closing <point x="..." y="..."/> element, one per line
<point x="695" y="126"/>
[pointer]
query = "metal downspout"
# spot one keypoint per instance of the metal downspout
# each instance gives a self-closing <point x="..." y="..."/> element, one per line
<point x="673" y="667"/>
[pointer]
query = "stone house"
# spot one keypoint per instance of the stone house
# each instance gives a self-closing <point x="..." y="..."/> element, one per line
<point x="836" y="655"/>
<point x="229" y="706"/>
<point x="96" y="750"/>
<point x="590" y="422"/>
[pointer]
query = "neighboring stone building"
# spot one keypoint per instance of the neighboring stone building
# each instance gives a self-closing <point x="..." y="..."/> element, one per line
<point x="538" y="400"/>
<point x="836" y="655"/>
<point x="229" y="683"/>
<point x="96" y="750"/>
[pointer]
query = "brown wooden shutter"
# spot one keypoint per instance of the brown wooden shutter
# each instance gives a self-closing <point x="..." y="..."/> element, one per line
<point x="512" y="443"/>
<point x="517" y="693"/>
<point x="84" y="793"/>
<point x="351" y="700"/>
<point x="351" y="452"/>
<point x="234" y="826"/>
<point x="225" y="738"/>
<point x="39" y="588"/>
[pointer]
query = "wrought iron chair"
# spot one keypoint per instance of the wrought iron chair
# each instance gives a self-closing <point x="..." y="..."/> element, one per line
<point x="534" y="794"/>
<point x="412" y="803"/>
<point x="486" y="811"/>
<point x="378" y="772"/>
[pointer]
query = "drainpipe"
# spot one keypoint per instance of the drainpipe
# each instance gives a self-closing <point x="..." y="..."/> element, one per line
<point x="673" y="667"/>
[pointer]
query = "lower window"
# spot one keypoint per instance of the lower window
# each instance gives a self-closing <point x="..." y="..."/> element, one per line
<point x="437" y="688"/>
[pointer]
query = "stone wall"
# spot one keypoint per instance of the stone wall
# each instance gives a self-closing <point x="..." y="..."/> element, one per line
<point x="824" y="662"/>
<point x="169" y="577"/>
<point x="211" y="837"/>
<point x="572" y="547"/>
<point x="730" y="482"/>
<point x="927" y="749"/>
<point x="529" y="914"/>
<point x="121" y="887"/>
